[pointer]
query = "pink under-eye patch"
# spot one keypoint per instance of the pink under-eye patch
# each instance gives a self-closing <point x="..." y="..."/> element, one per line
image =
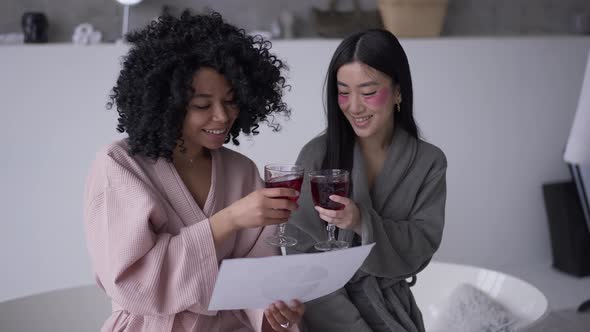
<point x="379" y="98"/>
<point x="342" y="99"/>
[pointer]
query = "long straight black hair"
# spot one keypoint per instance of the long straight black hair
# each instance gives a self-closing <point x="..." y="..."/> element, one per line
<point x="380" y="50"/>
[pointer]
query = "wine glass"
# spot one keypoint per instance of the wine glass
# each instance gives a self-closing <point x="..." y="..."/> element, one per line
<point x="325" y="183"/>
<point x="283" y="176"/>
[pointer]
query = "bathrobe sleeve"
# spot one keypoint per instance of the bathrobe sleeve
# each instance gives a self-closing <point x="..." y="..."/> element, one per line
<point x="405" y="246"/>
<point x="144" y="272"/>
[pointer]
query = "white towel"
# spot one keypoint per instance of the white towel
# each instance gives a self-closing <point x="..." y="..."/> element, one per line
<point x="468" y="309"/>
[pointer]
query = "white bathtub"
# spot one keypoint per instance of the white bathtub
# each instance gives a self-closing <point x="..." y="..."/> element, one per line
<point x="438" y="280"/>
<point x="85" y="308"/>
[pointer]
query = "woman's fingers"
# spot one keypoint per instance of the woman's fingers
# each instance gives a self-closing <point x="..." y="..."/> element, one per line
<point x="277" y="214"/>
<point x="281" y="204"/>
<point x="334" y="214"/>
<point x="280" y="198"/>
<point x="326" y="215"/>
<point x="328" y="219"/>
<point x="272" y="319"/>
<point x="298" y="307"/>
<point x="281" y="316"/>
<point x="340" y="199"/>
<point x="280" y="192"/>
<point x="290" y="314"/>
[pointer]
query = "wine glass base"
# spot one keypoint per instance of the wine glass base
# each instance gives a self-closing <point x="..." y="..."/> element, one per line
<point x="331" y="245"/>
<point x="280" y="241"/>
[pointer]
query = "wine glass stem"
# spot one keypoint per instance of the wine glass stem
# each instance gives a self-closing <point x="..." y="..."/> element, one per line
<point x="331" y="228"/>
<point x="282" y="230"/>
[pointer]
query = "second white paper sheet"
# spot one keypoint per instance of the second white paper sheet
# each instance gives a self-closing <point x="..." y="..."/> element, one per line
<point x="254" y="283"/>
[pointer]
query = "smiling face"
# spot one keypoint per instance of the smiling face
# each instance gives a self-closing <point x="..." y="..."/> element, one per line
<point x="210" y="113"/>
<point x="366" y="97"/>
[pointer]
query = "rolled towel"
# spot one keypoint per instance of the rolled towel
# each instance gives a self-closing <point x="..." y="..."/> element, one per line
<point x="468" y="309"/>
<point x="85" y="34"/>
<point x="12" y="38"/>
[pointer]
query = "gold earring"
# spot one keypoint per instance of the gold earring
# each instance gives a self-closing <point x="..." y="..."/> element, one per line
<point x="397" y="108"/>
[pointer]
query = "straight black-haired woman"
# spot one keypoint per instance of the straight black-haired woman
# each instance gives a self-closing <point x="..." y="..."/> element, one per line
<point x="398" y="193"/>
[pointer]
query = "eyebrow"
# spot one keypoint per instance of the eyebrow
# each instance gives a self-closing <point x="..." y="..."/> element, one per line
<point x="208" y="95"/>
<point x="362" y="85"/>
<point x="202" y="95"/>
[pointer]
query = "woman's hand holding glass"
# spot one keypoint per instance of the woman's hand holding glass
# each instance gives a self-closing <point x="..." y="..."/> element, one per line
<point x="283" y="176"/>
<point x="347" y="218"/>
<point x="325" y="184"/>
<point x="261" y="208"/>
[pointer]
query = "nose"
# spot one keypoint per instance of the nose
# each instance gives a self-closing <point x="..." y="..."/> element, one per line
<point x="220" y="113"/>
<point x="355" y="105"/>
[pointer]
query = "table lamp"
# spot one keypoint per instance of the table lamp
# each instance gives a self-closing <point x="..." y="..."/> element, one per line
<point x="126" y="4"/>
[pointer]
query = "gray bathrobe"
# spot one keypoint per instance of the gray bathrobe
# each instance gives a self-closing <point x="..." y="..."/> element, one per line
<point x="403" y="214"/>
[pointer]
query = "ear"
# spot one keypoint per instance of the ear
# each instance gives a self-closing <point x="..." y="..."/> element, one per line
<point x="397" y="93"/>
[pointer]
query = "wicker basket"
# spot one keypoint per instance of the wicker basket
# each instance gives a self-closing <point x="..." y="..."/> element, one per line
<point x="333" y="23"/>
<point x="413" y="18"/>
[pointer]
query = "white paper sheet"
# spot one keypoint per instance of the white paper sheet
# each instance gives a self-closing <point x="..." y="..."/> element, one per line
<point x="254" y="283"/>
<point x="576" y="150"/>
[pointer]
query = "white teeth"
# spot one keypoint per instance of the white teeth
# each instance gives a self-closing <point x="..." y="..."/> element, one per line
<point x="215" y="132"/>
<point x="363" y="118"/>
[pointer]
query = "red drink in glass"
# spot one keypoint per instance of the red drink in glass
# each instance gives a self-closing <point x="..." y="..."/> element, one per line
<point x="283" y="176"/>
<point x="322" y="190"/>
<point x="293" y="182"/>
<point x="325" y="183"/>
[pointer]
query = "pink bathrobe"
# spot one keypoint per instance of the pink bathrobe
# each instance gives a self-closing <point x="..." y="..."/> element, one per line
<point x="151" y="245"/>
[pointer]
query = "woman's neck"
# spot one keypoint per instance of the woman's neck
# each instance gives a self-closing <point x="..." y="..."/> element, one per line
<point x="377" y="143"/>
<point x="190" y="157"/>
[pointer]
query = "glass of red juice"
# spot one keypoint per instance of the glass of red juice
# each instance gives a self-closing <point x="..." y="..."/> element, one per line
<point x="325" y="183"/>
<point x="283" y="176"/>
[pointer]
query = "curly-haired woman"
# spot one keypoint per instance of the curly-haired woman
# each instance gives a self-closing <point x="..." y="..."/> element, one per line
<point x="164" y="206"/>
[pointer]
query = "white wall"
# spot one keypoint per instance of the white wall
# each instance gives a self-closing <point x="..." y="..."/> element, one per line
<point x="500" y="109"/>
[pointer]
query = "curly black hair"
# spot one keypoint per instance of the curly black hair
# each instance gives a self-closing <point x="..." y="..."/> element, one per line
<point x="154" y="85"/>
